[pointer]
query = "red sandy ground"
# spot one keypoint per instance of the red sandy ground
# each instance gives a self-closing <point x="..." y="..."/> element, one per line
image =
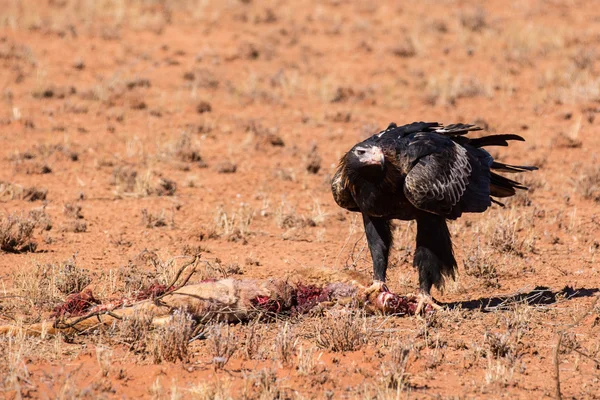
<point x="311" y="73"/>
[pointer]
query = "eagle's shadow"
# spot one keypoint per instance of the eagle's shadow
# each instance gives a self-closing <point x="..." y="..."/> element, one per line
<point x="541" y="295"/>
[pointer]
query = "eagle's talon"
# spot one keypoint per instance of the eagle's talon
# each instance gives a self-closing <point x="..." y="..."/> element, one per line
<point x="376" y="287"/>
<point x="425" y="300"/>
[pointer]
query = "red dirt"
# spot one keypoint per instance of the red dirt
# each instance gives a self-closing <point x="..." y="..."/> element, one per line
<point x="94" y="90"/>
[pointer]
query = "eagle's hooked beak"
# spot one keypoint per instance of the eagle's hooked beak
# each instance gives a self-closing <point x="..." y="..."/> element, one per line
<point x="370" y="156"/>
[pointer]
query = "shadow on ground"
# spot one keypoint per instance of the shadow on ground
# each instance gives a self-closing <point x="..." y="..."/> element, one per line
<point x="541" y="295"/>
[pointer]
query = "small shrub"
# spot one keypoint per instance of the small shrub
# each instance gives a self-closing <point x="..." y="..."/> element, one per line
<point x="69" y="278"/>
<point x="474" y="20"/>
<point x="506" y="239"/>
<point x="16" y="233"/>
<point x="394" y="372"/>
<point x="480" y="264"/>
<point x="155" y="220"/>
<point x="135" y="332"/>
<point x="588" y="184"/>
<point x="235" y="226"/>
<point x="170" y="341"/>
<point x="285" y="344"/>
<point x="222" y="344"/>
<point x="72" y="210"/>
<point x="11" y="191"/>
<point x="342" y="330"/>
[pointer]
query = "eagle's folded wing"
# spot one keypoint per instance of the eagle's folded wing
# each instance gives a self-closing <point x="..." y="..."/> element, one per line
<point x="444" y="178"/>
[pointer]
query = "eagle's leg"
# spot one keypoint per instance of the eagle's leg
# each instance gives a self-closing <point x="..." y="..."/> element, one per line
<point x="434" y="258"/>
<point x="379" y="238"/>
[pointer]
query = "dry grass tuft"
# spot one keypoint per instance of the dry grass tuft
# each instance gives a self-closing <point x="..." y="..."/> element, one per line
<point x="222" y="344"/>
<point x="11" y="191"/>
<point x="474" y="20"/>
<point x="254" y="336"/>
<point x="156" y="220"/>
<point x="69" y="278"/>
<point x="480" y="264"/>
<point x="170" y="341"/>
<point x="16" y="230"/>
<point x="72" y="210"/>
<point x="306" y="364"/>
<point x="446" y="90"/>
<point x="588" y="184"/>
<point x="135" y="333"/>
<point x="341" y="330"/>
<point x="506" y="237"/>
<point x="217" y="390"/>
<point x="184" y="150"/>
<point x="37" y="286"/>
<point x="128" y="182"/>
<point x="16" y="233"/>
<point x="394" y="373"/>
<point x="234" y="225"/>
<point x="263" y="384"/>
<point x="285" y="343"/>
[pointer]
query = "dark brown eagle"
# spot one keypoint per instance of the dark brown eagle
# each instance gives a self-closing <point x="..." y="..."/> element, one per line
<point x="423" y="171"/>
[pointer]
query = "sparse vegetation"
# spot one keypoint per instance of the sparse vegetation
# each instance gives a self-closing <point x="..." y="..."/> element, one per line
<point x="588" y="184"/>
<point x="222" y="344"/>
<point x="235" y="226"/>
<point x="212" y="130"/>
<point x="128" y="182"/>
<point x="10" y="191"/>
<point x="341" y="330"/>
<point x="17" y="230"/>
<point x="170" y="341"/>
<point x="506" y="237"/>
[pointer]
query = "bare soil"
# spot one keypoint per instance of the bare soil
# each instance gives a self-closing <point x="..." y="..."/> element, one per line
<point x="141" y="131"/>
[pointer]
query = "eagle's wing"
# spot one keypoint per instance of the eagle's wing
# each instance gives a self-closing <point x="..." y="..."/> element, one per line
<point x="444" y="177"/>
<point x="341" y="191"/>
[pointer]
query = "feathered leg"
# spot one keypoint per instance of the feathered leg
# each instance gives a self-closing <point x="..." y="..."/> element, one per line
<point x="434" y="258"/>
<point x="379" y="238"/>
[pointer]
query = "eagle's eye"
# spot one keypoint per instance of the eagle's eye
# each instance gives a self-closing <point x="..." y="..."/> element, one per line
<point x="360" y="152"/>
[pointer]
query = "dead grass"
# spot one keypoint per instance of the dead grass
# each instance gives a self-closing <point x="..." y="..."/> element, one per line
<point x="285" y="344"/>
<point x="157" y="220"/>
<point x="170" y="341"/>
<point x="263" y="384"/>
<point x="507" y="237"/>
<point x="217" y="390"/>
<point x="11" y="191"/>
<point x="255" y="336"/>
<point x="15" y="351"/>
<point x="234" y="224"/>
<point x="446" y="90"/>
<point x="136" y="334"/>
<point x="222" y="344"/>
<point x="481" y="264"/>
<point x="394" y="372"/>
<point x="154" y="89"/>
<point x="306" y="362"/>
<point x="69" y="278"/>
<point x="185" y="150"/>
<point x="41" y="288"/>
<point x="340" y="331"/>
<point x="474" y="20"/>
<point x="588" y="184"/>
<point x="128" y="182"/>
<point x="17" y="230"/>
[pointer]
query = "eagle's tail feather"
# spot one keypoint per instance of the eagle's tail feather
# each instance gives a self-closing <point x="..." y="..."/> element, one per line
<point x="501" y="186"/>
<point x="494" y="140"/>
<point x="501" y="167"/>
<point x="457" y="129"/>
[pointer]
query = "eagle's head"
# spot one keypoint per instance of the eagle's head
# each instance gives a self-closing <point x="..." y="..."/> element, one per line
<point x="365" y="158"/>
